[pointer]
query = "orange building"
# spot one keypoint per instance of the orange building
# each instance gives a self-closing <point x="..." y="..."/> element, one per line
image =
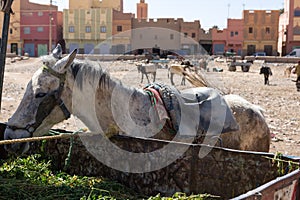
<point x="260" y="31"/>
<point x="142" y="10"/>
<point x="121" y="32"/>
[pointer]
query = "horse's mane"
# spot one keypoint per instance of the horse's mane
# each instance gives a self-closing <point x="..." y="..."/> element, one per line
<point x="83" y="70"/>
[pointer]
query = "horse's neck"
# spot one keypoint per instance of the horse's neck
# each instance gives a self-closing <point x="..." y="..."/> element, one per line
<point x="111" y="105"/>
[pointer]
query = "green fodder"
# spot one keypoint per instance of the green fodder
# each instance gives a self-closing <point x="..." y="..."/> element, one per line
<point x="31" y="178"/>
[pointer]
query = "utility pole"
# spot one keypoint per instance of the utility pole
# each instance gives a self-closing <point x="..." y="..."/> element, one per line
<point x="50" y="27"/>
<point x="6" y="8"/>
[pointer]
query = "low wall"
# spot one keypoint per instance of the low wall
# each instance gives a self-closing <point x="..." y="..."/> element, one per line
<point x="273" y="59"/>
<point x="110" y="57"/>
<point x="223" y="172"/>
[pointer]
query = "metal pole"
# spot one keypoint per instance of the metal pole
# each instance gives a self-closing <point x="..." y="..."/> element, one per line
<point x="50" y="28"/>
<point x="5" y="28"/>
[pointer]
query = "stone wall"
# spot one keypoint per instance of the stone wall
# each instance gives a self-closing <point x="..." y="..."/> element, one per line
<point x="223" y="172"/>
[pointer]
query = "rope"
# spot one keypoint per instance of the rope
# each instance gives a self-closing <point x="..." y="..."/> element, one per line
<point x="34" y="139"/>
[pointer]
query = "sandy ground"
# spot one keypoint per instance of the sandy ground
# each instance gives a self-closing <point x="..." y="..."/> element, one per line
<point x="280" y="100"/>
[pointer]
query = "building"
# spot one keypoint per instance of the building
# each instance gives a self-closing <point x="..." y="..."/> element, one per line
<point x="95" y="27"/>
<point x="219" y="39"/>
<point x="229" y="39"/>
<point x="262" y="36"/>
<point x="87" y="4"/>
<point x="165" y="34"/>
<point x="14" y="43"/>
<point x="87" y="30"/>
<point x="35" y="27"/>
<point x="205" y="40"/>
<point x="235" y="36"/>
<point x="121" y="32"/>
<point x="289" y="27"/>
<point x="30" y="28"/>
<point x="142" y="10"/>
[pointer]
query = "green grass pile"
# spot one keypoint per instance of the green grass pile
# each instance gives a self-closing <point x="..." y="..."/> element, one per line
<point x="32" y="178"/>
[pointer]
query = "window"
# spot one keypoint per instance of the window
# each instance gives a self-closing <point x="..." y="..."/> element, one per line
<point x="71" y="29"/>
<point x="103" y="29"/>
<point x="297" y="13"/>
<point x="250" y="30"/>
<point x="231" y="34"/>
<point x="193" y="35"/>
<point x="236" y="33"/>
<point x="185" y="34"/>
<point x="88" y="29"/>
<point x="171" y="36"/>
<point x="11" y="31"/>
<point x="268" y="30"/>
<point x="119" y="28"/>
<point x="40" y="13"/>
<point x="26" y="30"/>
<point x="40" y="29"/>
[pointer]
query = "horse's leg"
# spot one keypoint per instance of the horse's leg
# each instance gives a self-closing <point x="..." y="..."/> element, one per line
<point x="147" y="77"/>
<point x="171" y="78"/>
<point x="154" y="76"/>
<point x="183" y="80"/>
<point x="142" y="77"/>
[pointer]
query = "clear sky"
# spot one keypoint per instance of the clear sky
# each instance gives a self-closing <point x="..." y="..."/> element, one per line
<point x="209" y="12"/>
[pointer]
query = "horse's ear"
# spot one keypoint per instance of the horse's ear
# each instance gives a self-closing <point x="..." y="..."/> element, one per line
<point x="57" y="52"/>
<point x="65" y="62"/>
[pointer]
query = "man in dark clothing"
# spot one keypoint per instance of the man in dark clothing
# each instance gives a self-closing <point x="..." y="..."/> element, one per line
<point x="266" y="71"/>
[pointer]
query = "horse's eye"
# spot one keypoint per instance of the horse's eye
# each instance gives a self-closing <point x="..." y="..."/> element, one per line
<point x="40" y="95"/>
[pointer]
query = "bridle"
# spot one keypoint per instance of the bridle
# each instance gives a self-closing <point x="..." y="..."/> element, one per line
<point x="48" y="103"/>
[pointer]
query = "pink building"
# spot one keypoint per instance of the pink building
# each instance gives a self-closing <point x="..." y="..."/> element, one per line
<point x="289" y="27"/>
<point x="219" y="38"/>
<point x="35" y="27"/>
<point x="229" y="39"/>
<point x="235" y="36"/>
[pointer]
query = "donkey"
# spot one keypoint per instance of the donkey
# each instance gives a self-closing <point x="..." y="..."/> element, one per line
<point x="146" y="69"/>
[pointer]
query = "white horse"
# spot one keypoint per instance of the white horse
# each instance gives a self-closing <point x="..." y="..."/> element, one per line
<point x="84" y="89"/>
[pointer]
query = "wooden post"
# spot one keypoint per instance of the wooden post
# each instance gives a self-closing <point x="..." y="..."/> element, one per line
<point x="6" y="8"/>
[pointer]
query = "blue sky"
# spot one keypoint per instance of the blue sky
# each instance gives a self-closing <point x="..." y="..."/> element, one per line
<point x="209" y="12"/>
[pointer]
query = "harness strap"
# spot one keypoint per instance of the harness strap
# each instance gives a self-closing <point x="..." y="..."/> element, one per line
<point x="64" y="108"/>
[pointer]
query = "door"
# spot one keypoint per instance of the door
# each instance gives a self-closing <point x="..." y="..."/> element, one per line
<point x="29" y="48"/>
<point x="268" y="49"/>
<point x="251" y="49"/>
<point x="73" y="46"/>
<point x="14" y="48"/>
<point x="42" y="49"/>
<point x="88" y="49"/>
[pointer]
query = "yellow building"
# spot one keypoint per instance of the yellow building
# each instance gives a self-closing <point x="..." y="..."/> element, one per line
<point x="95" y="26"/>
<point x="14" y="42"/>
<point x="260" y="31"/>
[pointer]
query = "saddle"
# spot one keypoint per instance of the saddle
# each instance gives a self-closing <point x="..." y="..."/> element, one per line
<point x="204" y="109"/>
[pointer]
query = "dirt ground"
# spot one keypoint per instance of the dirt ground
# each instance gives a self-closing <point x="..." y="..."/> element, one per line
<point x="280" y="100"/>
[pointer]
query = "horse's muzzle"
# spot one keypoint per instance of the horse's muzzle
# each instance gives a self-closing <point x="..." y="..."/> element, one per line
<point x="17" y="148"/>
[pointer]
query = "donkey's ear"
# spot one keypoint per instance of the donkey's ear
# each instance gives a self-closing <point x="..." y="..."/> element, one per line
<point x="64" y="63"/>
<point x="57" y="52"/>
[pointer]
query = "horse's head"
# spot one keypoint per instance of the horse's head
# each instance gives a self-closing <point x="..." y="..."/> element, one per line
<point x="46" y="102"/>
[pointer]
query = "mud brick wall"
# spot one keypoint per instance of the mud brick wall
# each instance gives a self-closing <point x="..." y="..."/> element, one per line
<point x="223" y="172"/>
